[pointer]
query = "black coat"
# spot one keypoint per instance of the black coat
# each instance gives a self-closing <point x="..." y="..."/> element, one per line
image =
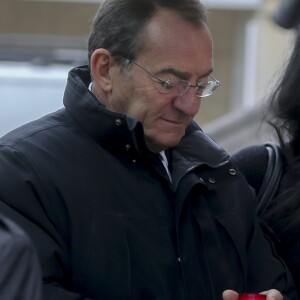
<point x="20" y="273"/>
<point x="109" y="225"/>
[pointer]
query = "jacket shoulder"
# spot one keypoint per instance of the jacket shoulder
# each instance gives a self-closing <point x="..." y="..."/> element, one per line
<point x="32" y="129"/>
<point x="252" y="162"/>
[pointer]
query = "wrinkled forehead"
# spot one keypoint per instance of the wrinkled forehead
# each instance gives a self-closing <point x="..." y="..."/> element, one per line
<point x="171" y="41"/>
<point x="168" y="28"/>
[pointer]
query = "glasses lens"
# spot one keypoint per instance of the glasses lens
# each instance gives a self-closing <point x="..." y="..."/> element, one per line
<point x="167" y="87"/>
<point x="207" y="89"/>
<point x="180" y="88"/>
<point x="163" y="86"/>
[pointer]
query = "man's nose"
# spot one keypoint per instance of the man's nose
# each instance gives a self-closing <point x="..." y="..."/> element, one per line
<point x="188" y="103"/>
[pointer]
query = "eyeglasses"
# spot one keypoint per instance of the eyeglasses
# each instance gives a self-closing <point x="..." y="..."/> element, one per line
<point x="180" y="87"/>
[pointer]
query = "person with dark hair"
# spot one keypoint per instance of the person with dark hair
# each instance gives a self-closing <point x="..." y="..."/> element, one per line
<point x="123" y="194"/>
<point x="281" y="209"/>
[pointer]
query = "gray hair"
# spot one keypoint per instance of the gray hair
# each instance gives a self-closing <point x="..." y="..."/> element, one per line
<point x="118" y="24"/>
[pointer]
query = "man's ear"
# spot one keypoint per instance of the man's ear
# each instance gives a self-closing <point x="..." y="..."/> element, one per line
<point x="100" y="68"/>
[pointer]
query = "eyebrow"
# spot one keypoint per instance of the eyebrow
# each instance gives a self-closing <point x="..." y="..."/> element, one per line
<point x="181" y="74"/>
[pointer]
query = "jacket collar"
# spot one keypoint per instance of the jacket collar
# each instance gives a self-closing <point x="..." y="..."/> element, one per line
<point x="196" y="146"/>
<point x="114" y="131"/>
<point x="196" y="149"/>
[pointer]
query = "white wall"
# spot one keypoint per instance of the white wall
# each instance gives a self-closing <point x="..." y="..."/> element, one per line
<point x="232" y="4"/>
<point x="28" y="92"/>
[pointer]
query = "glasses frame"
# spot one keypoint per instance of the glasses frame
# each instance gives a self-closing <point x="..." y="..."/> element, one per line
<point x="216" y="83"/>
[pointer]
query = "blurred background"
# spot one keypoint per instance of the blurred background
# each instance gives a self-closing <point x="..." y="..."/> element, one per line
<point x="41" y="40"/>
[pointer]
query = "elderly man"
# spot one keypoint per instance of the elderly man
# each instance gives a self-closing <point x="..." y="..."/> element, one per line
<point x="123" y="194"/>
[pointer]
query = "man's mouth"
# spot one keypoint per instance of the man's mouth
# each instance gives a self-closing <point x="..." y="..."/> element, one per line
<point x="175" y="122"/>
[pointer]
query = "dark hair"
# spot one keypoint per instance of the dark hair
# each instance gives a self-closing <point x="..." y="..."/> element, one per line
<point x="118" y="24"/>
<point x="284" y="102"/>
<point x="284" y="115"/>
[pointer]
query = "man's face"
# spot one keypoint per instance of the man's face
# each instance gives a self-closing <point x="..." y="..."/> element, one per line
<point x="175" y="50"/>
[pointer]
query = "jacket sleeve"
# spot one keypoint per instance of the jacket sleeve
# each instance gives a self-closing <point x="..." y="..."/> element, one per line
<point x="25" y="200"/>
<point x="20" y="276"/>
